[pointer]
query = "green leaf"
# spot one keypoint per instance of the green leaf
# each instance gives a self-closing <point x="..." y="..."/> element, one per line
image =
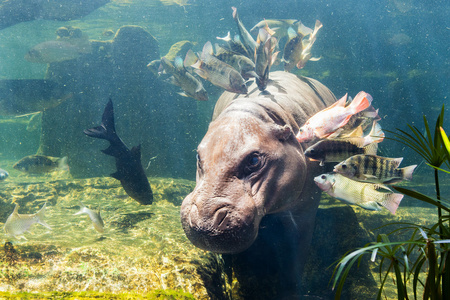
<point x="421" y="197"/>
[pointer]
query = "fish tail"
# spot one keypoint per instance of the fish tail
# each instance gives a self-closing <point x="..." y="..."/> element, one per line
<point x="360" y="103"/>
<point x="376" y="134"/>
<point x="40" y="216"/>
<point x="107" y="130"/>
<point x="191" y="60"/>
<point x="82" y="208"/>
<point x="63" y="164"/>
<point x="392" y="202"/>
<point x="407" y="172"/>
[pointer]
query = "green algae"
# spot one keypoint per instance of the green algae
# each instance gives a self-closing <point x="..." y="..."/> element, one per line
<point x="154" y="295"/>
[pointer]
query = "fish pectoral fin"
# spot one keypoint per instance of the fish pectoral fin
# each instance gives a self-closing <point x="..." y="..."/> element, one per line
<point x="369" y="176"/>
<point x="183" y="94"/>
<point x="382" y="188"/>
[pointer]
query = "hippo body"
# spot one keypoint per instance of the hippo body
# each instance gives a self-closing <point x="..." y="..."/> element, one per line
<point x="250" y="166"/>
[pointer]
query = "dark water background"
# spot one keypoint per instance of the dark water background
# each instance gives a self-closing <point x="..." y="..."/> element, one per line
<point x="395" y="50"/>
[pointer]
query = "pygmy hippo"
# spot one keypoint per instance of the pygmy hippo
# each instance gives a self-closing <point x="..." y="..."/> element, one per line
<point x="250" y="165"/>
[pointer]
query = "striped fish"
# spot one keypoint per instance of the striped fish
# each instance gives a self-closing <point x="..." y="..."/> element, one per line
<point x="367" y="195"/>
<point x="374" y="169"/>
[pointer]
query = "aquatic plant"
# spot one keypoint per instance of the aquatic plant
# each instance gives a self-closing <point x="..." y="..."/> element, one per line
<point x="424" y="259"/>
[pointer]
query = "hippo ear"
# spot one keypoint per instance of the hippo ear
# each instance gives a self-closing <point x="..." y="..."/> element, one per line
<point x="282" y="133"/>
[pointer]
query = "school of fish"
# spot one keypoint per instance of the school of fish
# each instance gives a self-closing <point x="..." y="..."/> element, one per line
<point x="360" y="177"/>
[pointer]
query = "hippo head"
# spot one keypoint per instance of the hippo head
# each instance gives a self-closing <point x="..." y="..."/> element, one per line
<point x="249" y="164"/>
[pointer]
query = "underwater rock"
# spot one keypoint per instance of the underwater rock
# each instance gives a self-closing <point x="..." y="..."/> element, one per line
<point x="23" y="96"/>
<point x="16" y="11"/>
<point x="133" y="49"/>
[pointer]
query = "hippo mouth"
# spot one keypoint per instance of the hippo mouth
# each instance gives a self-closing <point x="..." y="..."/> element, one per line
<point x="224" y="229"/>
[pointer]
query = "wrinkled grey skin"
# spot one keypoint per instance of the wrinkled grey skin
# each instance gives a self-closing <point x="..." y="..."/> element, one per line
<point x="234" y="191"/>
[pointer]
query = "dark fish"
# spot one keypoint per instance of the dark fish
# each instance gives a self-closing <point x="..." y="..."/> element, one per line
<point x="264" y="56"/>
<point x="23" y="96"/>
<point x="129" y="172"/>
<point x="37" y="164"/>
<point x="3" y="174"/>
<point x="236" y="45"/>
<point x="374" y="169"/>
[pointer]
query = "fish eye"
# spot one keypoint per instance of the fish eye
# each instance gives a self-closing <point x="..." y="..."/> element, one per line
<point x="344" y="167"/>
<point x="323" y="177"/>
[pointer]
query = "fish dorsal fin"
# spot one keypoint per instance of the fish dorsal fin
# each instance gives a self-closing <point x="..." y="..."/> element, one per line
<point x="291" y="33"/>
<point x="382" y="188"/>
<point x="16" y="209"/>
<point x="340" y="102"/>
<point x="357" y="132"/>
<point x="207" y="49"/>
<point x="397" y="161"/>
<point x="302" y="29"/>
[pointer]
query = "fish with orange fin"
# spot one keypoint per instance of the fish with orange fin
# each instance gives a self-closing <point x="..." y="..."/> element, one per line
<point x="332" y="118"/>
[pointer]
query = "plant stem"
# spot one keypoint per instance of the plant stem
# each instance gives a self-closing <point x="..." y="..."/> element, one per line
<point x="438" y="197"/>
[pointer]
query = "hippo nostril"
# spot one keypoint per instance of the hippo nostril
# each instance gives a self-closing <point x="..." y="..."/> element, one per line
<point x="220" y="216"/>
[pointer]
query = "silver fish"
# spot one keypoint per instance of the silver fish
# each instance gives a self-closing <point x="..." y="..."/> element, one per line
<point x="216" y="71"/>
<point x="367" y="195"/>
<point x="280" y="26"/>
<point x="58" y="50"/>
<point x="95" y="217"/>
<point x="18" y="224"/>
<point x="246" y="38"/>
<point x="3" y="174"/>
<point x="37" y="164"/>
<point x="191" y="86"/>
<point x="374" y="169"/>
<point x="240" y="62"/>
<point x="298" y="47"/>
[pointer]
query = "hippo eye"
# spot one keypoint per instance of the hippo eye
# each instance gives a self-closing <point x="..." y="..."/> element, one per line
<point x="253" y="162"/>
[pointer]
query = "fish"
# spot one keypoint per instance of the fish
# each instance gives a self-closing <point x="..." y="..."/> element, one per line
<point x="280" y="26"/>
<point x="216" y="71"/>
<point x="330" y="119"/>
<point x="264" y="56"/>
<point x="34" y="122"/>
<point x="23" y="96"/>
<point x="17" y="224"/>
<point x="366" y="195"/>
<point x="297" y="50"/>
<point x="129" y="172"/>
<point x="246" y="38"/>
<point x="3" y="174"/>
<point x="374" y="169"/>
<point x="38" y="164"/>
<point x="191" y="86"/>
<point x="241" y="63"/>
<point x="363" y="119"/>
<point x="95" y="217"/>
<point x="235" y="45"/>
<point x="58" y="50"/>
<point x="339" y="149"/>
<point x="307" y="46"/>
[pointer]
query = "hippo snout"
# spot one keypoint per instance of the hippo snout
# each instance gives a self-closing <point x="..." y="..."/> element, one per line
<point x="219" y="226"/>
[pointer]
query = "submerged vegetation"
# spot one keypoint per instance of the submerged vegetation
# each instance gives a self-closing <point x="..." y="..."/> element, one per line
<point x="420" y="263"/>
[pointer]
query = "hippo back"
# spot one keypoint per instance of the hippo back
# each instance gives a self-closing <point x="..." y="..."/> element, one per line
<point x="302" y="97"/>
